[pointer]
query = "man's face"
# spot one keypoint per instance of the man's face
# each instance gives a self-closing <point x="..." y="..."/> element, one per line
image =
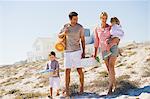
<point x="51" y="57"/>
<point x="74" y="20"/>
<point x="103" y="19"/>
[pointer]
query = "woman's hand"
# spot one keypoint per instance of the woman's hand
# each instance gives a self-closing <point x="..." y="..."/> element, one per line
<point x="95" y="52"/>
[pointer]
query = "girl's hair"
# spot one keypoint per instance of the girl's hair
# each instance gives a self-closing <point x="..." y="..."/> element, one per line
<point x="115" y="19"/>
<point x="103" y="14"/>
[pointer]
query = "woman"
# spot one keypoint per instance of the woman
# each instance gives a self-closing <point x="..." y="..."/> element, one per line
<point x="101" y="35"/>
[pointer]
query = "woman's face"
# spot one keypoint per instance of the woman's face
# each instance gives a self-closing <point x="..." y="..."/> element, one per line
<point x="103" y="19"/>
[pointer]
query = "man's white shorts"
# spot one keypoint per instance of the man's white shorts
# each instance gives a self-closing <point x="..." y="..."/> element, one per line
<point x="72" y="59"/>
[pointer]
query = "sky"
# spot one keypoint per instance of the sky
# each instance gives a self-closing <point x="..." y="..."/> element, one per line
<point x="22" y="21"/>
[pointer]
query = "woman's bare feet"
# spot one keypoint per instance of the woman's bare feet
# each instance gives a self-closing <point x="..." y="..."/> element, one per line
<point x="81" y="90"/>
<point x="114" y="86"/>
<point x="110" y="90"/>
<point x="66" y="93"/>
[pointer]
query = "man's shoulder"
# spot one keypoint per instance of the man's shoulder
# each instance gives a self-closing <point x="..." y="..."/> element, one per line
<point x="79" y="25"/>
<point x="67" y="24"/>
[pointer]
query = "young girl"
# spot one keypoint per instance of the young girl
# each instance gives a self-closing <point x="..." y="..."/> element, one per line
<point x="116" y="32"/>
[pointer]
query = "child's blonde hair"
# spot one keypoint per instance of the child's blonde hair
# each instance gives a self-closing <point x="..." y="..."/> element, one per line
<point x="115" y="19"/>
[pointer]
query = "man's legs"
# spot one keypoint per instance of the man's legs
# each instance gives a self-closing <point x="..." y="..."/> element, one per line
<point x="67" y="80"/>
<point x="81" y="78"/>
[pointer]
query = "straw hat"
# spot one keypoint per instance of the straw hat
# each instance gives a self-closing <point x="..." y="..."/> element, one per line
<point x="59" y="47"/>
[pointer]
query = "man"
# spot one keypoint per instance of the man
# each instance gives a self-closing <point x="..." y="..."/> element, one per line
<point x="74" y="33"/>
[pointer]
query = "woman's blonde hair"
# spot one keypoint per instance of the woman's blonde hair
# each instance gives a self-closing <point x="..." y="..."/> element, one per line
<point x="103" y="14"/>
<point x="115" y="19"/>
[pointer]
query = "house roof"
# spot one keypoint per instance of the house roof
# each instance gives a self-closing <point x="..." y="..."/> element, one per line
<point x="43" y="40"/>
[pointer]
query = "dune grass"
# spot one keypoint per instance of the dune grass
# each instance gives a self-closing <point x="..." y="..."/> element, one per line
<point x="131" y="53"/>
<point x="146" y="72"/>
<point x="103" y="74"/>
<point x="13" y="91"/>
<point x="97" y="85"/>
<point x="31" y="95"/>
<point x="121" y="64"/>
<point x="123" y="77"/>
<point x="74" y="88"/>
<point x="2" y="92"/>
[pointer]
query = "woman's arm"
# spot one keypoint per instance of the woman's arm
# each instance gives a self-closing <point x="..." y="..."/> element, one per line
<point x="96" y="42"/>
<point x="95" y="52"/>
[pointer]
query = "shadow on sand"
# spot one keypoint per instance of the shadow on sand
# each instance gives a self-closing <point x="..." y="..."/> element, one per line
<point x="125" y="88"/>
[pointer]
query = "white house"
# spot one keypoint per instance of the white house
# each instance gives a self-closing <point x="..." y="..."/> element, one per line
<point x="44" y="45"/>
<point x="41" y="48"/>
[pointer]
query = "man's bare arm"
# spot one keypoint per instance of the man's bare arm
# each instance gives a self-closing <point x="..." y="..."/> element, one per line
<point x="61" y="35"/>
<point x="83" y="46"/>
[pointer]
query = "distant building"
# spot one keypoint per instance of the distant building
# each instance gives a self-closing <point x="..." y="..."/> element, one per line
<point x="44" y="45"/>
<point x="41" y="48"/>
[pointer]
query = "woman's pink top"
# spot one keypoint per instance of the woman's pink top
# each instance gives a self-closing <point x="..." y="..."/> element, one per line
<point x="101" y="35"/>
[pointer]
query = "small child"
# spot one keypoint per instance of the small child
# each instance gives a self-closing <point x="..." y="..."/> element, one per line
<point x="116" y="32"/>
<point x="54" y="79"/>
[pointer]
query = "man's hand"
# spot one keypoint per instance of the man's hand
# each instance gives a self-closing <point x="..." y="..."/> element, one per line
<point x="83" y="55"/>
